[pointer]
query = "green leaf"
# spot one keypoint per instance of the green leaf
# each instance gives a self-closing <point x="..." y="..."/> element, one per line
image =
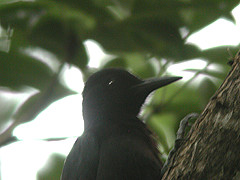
<point x="20" y="14"/>
<point x="8" y="106"/>
<point x="157" y="36"/>
<point x="41" y="100"/>
<point x="141" y="34"/>
<point x="135" y="62"/>
<point x="206" y="90"/>
<point x="167" y="10"/>
<point x="189" y="51"/>
<point x="186" y="96"/>
<point x="206" y="12"/>
<point x="17" y="69"/>
<point x="11" y="1"/>
<point x="61" y="38"/>
<point x="221" y="54"/>
<point x="163" y="125"/>
<point x="209" y="72"/>
<point x="140" y="65"/>
<point x="117" y="62"/>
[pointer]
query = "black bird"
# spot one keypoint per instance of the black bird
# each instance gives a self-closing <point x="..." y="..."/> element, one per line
<point x="115" y="144"/>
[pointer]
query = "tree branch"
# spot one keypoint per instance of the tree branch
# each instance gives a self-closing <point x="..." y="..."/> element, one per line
<point x="211" y="150"/>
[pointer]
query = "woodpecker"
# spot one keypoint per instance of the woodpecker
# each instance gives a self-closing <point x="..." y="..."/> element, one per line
<point x="115" y="145"/>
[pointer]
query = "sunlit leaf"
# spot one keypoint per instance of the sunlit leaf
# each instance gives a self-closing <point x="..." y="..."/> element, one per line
<point x="209" y="72"/>
<point x="53" y="168"/>
<point x="41" y="100"/>
<point x="8" y="107"/>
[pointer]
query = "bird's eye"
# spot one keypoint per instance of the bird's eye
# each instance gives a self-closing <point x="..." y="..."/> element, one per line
<point x="110" y="82"/>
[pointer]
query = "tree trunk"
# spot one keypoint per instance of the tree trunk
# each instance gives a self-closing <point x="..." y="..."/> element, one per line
<point x="211" y="149"/>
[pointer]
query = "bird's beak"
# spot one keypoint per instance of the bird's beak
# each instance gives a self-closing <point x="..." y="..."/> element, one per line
<point x="149" y="85"/>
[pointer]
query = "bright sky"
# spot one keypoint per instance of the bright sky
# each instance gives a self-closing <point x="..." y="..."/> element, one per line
<point x="23" y="159"/>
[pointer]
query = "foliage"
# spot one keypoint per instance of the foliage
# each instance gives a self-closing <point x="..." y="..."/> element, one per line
<point x="143" y="36"/>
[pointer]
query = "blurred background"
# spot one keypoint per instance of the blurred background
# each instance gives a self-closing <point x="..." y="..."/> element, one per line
<point x="48" y="48"/>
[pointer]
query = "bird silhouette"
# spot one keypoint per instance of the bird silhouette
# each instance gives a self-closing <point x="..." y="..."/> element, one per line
<point x="115" y="144"/>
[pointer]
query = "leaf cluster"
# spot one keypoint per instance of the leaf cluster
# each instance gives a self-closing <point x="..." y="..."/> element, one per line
<point x="144" y="36"/>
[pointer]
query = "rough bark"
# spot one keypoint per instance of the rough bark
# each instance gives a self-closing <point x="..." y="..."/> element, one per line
<point x="211" y="150"/>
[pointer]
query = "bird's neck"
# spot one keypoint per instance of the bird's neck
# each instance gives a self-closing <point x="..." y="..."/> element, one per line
<point x="109" y="120"/>
<point x="120" y="125"/>
<point x="107" y="114"/>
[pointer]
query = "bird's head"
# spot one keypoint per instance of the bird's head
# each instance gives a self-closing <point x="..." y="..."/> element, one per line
<point x="113" y="93"/>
